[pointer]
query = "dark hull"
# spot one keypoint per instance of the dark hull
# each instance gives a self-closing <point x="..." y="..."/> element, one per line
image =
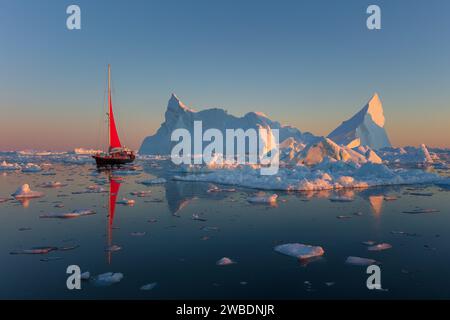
<point x="112" y="161"/>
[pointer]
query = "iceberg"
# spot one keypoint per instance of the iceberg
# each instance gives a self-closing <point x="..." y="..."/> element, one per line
<point x="366" y="128"/>
<point x="262" y="197"/>
<point x="178" y="115"/>
<point x="25" y="192"/>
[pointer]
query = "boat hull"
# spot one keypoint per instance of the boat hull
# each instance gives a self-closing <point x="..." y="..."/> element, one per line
<point x="110" y="161"/>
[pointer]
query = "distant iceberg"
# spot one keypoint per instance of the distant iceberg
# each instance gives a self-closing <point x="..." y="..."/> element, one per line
<point x="366" y="128"/>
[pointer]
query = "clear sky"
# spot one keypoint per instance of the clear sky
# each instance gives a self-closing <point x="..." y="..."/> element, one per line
<point x="310" y="64"/>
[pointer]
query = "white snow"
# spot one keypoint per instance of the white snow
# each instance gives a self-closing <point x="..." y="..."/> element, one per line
<point x="299" y="250"/>
<point x="24" y="191"/>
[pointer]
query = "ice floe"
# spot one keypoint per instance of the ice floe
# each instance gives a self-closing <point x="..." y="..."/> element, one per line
<point x="380" y="247"/>
<point x="24" y="191"/>
<point x="262" y="197"/>
<point x="299" y="250"/>
<point x="31" y="168"/>
<point x="5" y="166"/>
<point x="149" y="286"/>
<point x="126" y="202"/>
<point x="358" y="261"/>
<point x="69" y="215"/>
<point x="225" y="262"/>
<point x="107" y="279"/>
<point x="52" y="184"/>
<point x="152" y="181"/>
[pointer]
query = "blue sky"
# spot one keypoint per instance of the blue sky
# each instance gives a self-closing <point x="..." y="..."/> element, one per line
<point x="311" y="64"/>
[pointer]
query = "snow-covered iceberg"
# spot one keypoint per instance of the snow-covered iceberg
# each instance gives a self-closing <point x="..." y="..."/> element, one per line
<point x="178" y="115"/>
<point x="24" y="191"/>
<point x="365" y="128"/>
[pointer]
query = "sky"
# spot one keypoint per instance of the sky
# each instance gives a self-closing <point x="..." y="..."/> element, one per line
<point x="310" y="64"/>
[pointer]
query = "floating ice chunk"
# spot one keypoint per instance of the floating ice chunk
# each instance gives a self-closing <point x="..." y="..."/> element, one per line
<point x="262" y="197"/>
<point x="379" y="247"/>
<point x="126" y="172"/>
<point x="153" y="181"/>
<point x="300" y="251"/>
<point x="25" y="192"/>
<point x="52" y="184"/>
<point x="35" y="250"/>
<point x="5" y="166"/>
<point x="113" y="248"/>
<point x="107" y="279"/>
<point x="357" y="261"/>
<point x="343" y="217"/>
<point x="369" y="243"/>
<point x="126" y="202"/>
<point x="149" y="286"/>
<point x="68" y="215"/>
<point x="225" y="262"/>
<point x="141" y="194"/>
<point x="197" y="217"/>
<point x="419" y="210"/>
<point x="31" y="168"/>
<point x="390" y="198"/>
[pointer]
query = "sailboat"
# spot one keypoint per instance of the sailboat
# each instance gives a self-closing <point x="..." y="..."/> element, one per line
<point x="116" y="154"/>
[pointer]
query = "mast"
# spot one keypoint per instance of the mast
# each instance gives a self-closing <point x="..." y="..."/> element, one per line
<point x="109" y="104"/>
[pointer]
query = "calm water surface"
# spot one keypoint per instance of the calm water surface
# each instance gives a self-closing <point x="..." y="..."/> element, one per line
<point x="180" y="253"/>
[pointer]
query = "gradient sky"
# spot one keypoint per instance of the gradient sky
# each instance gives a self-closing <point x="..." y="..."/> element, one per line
<point x="310" y="64"/>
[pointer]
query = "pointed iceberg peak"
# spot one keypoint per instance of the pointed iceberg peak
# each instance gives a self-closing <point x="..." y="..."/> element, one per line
<point x="365" y="128"/>
<point x="375" y="109"/>
<point x="176" y="104"/>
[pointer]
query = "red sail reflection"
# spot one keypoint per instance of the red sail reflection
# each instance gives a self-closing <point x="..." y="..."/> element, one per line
<point x="114" y="187"/>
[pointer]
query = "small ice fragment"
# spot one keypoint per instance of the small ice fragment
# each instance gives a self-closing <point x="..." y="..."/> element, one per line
<point x="262" y="197"/>
<point x="343" y="217"/>
<point x="152" y="220"/>
<point x="113" y="248"/>
<point x="329" y="284"/>
<point x="35" y="250"/>
<point x="31" y="168"/>
<point x="225" y="262"/>
<point x="206" y="228"/>
<point x="390" y="198"/>
<point x="150" y="286"/>
<point x="141" y="194"/>
<point x="107" y="279"/>
<point x="68" y="215"/>
<point x="357" y="261"/>
<point x="153" y="181"/>
<point x="126" y="202"/>
<point x="369" y="243"/>
<point x="52" y="184"/>
<point x="197" y="217"/>
<point x="418" y="211"/>
<point x="300" y="251"/>
<point x="25" y="192"/>
<point x="379" y="247"/>
<point x="85" y="275"/>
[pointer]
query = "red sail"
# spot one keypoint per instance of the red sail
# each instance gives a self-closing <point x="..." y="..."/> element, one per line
<point x="114" y="141"/>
